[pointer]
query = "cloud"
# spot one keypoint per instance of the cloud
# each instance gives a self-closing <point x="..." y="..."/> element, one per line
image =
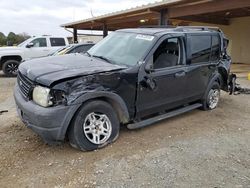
<point x="45" y="16"/>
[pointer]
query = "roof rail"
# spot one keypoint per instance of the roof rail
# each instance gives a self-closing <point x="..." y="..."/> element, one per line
<point x="182" y="28"/>
<point x="202" y="28"/>
<point x="157" y="26"/>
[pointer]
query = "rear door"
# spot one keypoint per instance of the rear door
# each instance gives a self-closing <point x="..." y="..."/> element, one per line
<point x="199" y="67"/>
<point x="56" y="43"/>
<point x="164" y="85"/>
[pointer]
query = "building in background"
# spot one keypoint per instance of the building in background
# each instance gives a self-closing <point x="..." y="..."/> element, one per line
<point x="86" y="38"/>
<point x="232" y="16"/>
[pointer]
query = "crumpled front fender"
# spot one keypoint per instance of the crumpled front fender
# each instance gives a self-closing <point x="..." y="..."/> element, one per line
<point x="115" y="100"/>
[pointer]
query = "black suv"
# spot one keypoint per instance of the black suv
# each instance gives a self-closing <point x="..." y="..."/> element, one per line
<point x="133" y="77"/>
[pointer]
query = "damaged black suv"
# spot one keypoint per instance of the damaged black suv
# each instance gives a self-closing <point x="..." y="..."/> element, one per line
<point x="133" y="77"/>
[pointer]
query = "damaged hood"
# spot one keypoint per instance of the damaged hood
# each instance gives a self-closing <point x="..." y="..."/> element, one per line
<point x="50" y="69"/>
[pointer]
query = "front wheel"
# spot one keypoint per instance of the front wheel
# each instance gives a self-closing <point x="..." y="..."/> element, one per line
<point x="95" y="125"/>
<point x="212" y="97"/>
<point x="10" y="67"/>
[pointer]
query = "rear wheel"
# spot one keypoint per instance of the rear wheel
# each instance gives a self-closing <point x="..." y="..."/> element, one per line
<point x="95" y="125"/>
<point x="212" y="97"/>
<point x="10" y="67"/>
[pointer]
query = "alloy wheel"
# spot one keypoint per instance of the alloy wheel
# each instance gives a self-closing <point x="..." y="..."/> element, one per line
<point x="97" y="128"/>
<point x="12" y="68"/>
<point x="213" y="98"/>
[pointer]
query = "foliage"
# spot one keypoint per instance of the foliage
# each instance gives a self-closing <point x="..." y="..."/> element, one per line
<point x="12" y="38"/>
<point x="2" y="39"/>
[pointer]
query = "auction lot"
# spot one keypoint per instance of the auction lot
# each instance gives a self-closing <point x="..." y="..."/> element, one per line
<point x="197" y="149"/>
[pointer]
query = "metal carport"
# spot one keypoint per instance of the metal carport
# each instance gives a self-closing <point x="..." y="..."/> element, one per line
<point x="222" y="13"/>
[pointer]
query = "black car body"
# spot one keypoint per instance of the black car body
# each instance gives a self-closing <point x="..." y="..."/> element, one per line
<point x="178" y="69"/>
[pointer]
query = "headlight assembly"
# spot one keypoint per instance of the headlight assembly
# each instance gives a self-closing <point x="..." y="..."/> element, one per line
<point x="41" y="96"/>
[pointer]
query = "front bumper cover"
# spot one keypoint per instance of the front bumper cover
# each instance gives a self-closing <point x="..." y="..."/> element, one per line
<point x="50" y="123"/>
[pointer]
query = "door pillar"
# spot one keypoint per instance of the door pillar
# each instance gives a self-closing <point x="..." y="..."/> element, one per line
<point x="105" y="30"/>
<point x="75" y="36"/>
<point x="163" y="20"/>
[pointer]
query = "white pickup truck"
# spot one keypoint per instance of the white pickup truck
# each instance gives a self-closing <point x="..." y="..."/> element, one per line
<point x="11" y="57"/>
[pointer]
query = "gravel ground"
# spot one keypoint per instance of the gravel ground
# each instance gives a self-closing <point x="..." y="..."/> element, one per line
<point x="197" y="149"/>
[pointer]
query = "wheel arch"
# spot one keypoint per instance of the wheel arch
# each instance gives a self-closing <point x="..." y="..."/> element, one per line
<point x="9" y="57"/>
<point x="113" y="99"/>
<point x="223" y="78"/>
<point x="214" y="78"/>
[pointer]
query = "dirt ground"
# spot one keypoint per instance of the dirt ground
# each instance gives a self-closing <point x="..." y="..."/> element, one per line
<point x="197" y="149"/>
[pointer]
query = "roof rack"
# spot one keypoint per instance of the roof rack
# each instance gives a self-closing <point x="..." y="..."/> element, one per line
<point x="182" y="28"/>
<point x="202" y="28"/>
<point x="157" y="26"/>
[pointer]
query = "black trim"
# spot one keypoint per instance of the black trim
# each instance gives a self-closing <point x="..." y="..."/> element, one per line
<point x="164" y="116"/>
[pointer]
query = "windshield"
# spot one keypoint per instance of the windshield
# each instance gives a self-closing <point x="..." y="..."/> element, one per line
<point x="122" y="48"/>
<point x="24" y="42"/>
<point x="61" y="51"/>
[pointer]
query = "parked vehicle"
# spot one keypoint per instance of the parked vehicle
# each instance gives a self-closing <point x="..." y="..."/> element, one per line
<point x="133" y="77"/>
<point x="11" y="57"/>
<point x="73" y="48"/>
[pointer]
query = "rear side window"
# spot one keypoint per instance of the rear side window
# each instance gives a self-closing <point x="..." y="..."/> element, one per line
<point x="215" y="53"/>
<point x="200" y="48"/>
<point x="57" y="42"/>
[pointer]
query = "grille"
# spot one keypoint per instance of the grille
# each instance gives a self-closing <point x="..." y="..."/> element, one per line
<point x="25" y="85"/>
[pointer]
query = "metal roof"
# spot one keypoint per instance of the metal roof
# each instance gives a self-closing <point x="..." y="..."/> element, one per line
<point x="175" y="12"/>
<point x="130" y="10"/>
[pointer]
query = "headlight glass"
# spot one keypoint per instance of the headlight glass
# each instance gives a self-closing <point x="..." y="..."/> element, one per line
<point x="41" y="96"/>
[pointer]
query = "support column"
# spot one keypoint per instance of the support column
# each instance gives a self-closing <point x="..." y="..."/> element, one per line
<point x="75" y="36"/>
<point x="163" y="20"/>
<point x="105" y="30"/>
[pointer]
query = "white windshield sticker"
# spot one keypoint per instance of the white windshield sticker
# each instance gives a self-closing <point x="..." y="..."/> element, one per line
<point x="145" y="37"/>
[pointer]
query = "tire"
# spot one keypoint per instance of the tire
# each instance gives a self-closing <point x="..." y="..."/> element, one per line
<point x="10" y="68"/>
<point x="212" y="97"/>
<point x="94" y="119"/>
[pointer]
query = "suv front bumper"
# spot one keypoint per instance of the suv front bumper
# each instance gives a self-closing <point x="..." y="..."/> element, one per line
<point x="50" y="123"/>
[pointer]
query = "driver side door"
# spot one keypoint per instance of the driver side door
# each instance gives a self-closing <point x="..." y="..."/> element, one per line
<point x="39" y="48"/>
<point x="162" y="81"/>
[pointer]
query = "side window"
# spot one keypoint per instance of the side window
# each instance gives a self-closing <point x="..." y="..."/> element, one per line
<point x="57" y="42"/>
<point x="167" y="54"/>
<point x="200" y="48"/>
<point x="215" y="53"/>
<point x="39" y="42"/>
<point x="81" y="49"/>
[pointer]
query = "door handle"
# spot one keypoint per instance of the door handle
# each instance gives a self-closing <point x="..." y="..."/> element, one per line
<point x="180" y="74"/>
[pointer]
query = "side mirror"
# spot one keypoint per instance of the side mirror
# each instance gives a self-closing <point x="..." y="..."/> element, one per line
<point x="30" y="45"/>
<point x="149" y="67"/>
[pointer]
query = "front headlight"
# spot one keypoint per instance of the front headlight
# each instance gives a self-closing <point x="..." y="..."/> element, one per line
<point x="41" y="96"/>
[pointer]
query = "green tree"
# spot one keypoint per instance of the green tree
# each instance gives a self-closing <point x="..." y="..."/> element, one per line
<point x="21" y="37"/>
<point x="14" y="39"/>
<point x="11" y="39"/>
<point x="2" y="39"/>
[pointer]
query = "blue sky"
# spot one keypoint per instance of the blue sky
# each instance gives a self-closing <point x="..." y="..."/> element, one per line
<point x="38" y="17"/>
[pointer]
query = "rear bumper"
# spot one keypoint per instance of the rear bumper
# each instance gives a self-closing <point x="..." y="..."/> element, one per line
<point x="50" y="123"/>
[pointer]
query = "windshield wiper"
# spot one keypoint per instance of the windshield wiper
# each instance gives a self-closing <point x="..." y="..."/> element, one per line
<point x="103" y="58"/>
